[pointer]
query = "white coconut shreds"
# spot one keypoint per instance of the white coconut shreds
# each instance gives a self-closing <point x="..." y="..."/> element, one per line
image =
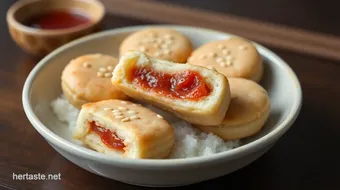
<point x="189" y="141"/>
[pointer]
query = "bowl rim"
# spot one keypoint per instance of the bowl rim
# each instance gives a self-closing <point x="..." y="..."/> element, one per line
<point x="48" y="32"/>
<point x="86" y="153"/>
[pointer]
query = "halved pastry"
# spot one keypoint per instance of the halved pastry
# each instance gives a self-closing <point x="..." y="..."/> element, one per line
<point x="193" y="93"/>
<point x="124" y="129"/>
<point x="248" y="111"/>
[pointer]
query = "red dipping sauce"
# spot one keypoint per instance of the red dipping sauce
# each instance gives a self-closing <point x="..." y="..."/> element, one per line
<point x="185" y="85"/>
<point x="108" y="137"/>
<point x="58" y="19"/>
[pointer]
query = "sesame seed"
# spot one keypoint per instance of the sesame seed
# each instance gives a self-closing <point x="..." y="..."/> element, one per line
<point x="86" y="65"/>
<point x="134" y="117"/>
<point x="219" y="59"/>
<point x="109" y="68"/>
<point x="226" y="52"/>
<point x="125" y="119"/>
<point x="122" y="108"/>
<point x="229" y="57"/>
<point x="142" y="48"/>
<point x="108" y="75"/>
<point x="221" y="46"/>
<point x="159" y="116"/>
<point x="156" y="45"/>
<point x="107" y="109"/>
<point x="222" y="64"/>
<point x="158" y="40"/>
<point x="168" y="42"/>
<point x="123" y="102"/>
<point x="102" y="69"/>
<point x="157" y="53"/>
<point x="164" y="46"/>
<point x="203" y="56"/>
<point x="119" y="116"/>
<point x="242" y="47"/>
<point x="168" y="36"/>
<point x="212" y="54"/>
<point x="167" y="51"/>
<point x="99" y="74"/>
<point x="132" y="112"/>
<point x="117" y="113"/>
<point x="229" y="62"/>
<point x="210" y="67"/>
<point x="134" y="105"/>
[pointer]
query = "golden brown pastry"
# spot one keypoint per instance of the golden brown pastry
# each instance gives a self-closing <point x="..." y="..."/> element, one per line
<point x="193" y="93"/>
<point x="248" y="111"/>
<point x="87" y="79"/>
<point x="125" y="129"/>
<point x="233" y="57"/>
<point x="158" y="42"/>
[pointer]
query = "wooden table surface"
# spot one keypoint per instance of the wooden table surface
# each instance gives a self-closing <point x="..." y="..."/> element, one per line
<point x="306" y="157"/>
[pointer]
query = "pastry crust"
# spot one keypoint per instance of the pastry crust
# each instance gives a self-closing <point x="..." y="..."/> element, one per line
<point x="233" y="57"/>
<point x="145" y="134"/>
<point x="160" y="43"/>
<point x="208" y="110"/>
<point x="248" y="111"/>
<point x="81" y="84"/>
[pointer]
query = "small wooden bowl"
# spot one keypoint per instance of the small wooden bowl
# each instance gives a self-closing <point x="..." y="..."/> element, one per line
<point x="39" y="42"/>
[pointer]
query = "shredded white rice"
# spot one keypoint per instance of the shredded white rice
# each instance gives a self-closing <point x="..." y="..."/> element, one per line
<point x="190" y="142"/>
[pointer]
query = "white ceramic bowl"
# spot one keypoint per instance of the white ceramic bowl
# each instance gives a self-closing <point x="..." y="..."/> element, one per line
<point x="43" y="85"/>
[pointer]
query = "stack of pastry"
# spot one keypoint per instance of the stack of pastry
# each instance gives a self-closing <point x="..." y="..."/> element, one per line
<point x="214" y="87"/>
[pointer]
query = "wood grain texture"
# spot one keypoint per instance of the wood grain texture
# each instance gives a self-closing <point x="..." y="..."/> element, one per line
<point x="269" y="34"/>
<point x="305" y="158"/>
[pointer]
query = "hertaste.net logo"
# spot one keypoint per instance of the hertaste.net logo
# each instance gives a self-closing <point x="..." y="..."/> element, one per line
<point x="36" y="176"/>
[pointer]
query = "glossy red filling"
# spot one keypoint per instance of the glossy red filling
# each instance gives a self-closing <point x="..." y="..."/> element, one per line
<point x="185" y="85"/>
<point x="58" y="19"/>
<point x="108" y="137"/>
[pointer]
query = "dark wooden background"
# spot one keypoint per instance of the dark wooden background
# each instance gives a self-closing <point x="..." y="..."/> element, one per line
<point x="307" y="157"/>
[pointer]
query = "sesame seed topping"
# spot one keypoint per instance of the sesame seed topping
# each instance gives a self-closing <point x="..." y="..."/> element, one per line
<point x="229" y="63"/>
<point x="168" y="42"/>
<point x="107" y="109"/>
<point x="123" y="102"/>
<point x="99" y="74"/>
<point x="109" y="68"/>
<point x="203" y="56"/>
<point x="221" y="46"/>
<point x="117" y="113"/>
<point x="156" y="45"/>
<point x="168" y="36"/>
<point x="210" y="67"/>
<point x="108" y="75"/>
<point x="142" y="48"/>
<point x="226" y="52"/>
<point x="102" y="69"/>
<point x="164" y="46"/>
<point x="125" y="119"/>
<point x="159" y="40"/>
<point x="157" y="53"/>
<point x="134" y="105"/>
<point x="119" y="116"/>
<point x="228" y="57"/>
<point x="86" y="65"/>
<point x="212" y="54"/>
<point x="242" y="47"/>
<point x="122" y="108"/>
<point x="134" y="117"/>
<point x="219" y="59"/>
<point x="222" y="64"/>
<point x="167" y="51"/>
<point x="159" y="116"/>
<point x="132" y="112"/>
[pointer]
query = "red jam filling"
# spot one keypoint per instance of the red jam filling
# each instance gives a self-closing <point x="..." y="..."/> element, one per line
<point x="58" y="19"/>
<point x="108" y="137"/>
<point x="185" y="85"/>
